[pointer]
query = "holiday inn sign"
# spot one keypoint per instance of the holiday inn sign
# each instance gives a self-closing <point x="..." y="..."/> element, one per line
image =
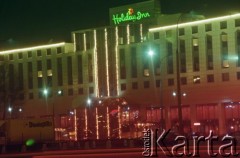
<point x="130" y="16"/>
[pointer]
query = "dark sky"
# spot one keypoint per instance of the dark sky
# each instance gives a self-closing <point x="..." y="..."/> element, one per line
<point x="27" y="22"/>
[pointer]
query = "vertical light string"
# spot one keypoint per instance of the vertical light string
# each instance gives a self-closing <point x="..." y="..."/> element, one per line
<point x="86" y="123"/>
<point x="96" y="64"/>
<point x="128" y="34"/>
<point x="141" y="32"/>
<point x="108" y="124"/>
<point x="75" y="124"/>
<point x="74" y="42"/>
<point x="84" y="42"/>
<point x="107" y="61"/>
<point x="117" y="60"/>
<point x="97" y="127"/>
<point x="119" y="123"/>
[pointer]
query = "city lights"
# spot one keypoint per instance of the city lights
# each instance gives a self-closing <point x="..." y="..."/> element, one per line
<point x="107" y="61"/>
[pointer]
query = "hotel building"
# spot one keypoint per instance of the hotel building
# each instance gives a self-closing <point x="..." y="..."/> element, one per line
<point x="122" y="77"/>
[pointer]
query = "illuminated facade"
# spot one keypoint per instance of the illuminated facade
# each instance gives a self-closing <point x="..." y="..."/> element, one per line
<point x="122" y="77"/>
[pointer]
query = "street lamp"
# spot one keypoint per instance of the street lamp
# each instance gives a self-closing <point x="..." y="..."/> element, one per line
<point x="10" y="111"/>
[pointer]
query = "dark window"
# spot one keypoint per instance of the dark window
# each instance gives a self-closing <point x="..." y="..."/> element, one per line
<point x="123" y="87"/>
<point x="1" y="57"/>
<point x="49" y="51"/>
<point x="156" y="35"/>
<point x="134" y="85"/>
<point x="181" y="31"/>
<point x="158" y="83"/>
<point x="20" y="76"/>
<point x="40" y="82"/>
<point x="133" y="62"/>
<point x="80" y="91"/>
<point x="30" y="75"/>
<point x="208" y="27"/>
<point x="223" y="25"/>
<point x="238" y="75"/>
<point x="237" y="22"/>
<point x="11" y="77"/>
<point x="122" y="64"/>
<point x="183" y="65"/>
<point x="183" y="80"/>
<point x="39" y="53"/>
<point x="80" y="70"/>
<point x="21" y="96"/>
<point x="39" y="65"/>
<point x="91" y="90"/>
<point x="29" y="54"/>
<point x="69" y="72"/>
<point x="209" y="53"/>
<point x="210" y="78"/>
<point x="31" y="96"/>
<point x="10" y="56"/>
<point x="170" y="82"/>
<point x="20" y="55"/>
<point x="146" y="84"/>
<point x="49" y="64"/>
<point x="59" y="50"/>
<point x="59" y="72"/>
<point x="90" y="68"/>
<point x="194" y="29"/>
<point x="169" y="33"/>
<point x="49" y="81"/>
<point x="169" y="58"/>
<point x="70" y="92"/>
<point x="225" y="76"/>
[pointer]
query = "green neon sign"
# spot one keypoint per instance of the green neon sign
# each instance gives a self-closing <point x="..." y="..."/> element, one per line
<point x="130" y="16"/>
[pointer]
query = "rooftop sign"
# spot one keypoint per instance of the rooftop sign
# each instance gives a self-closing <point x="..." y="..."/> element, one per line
<point x="130" y="16"/>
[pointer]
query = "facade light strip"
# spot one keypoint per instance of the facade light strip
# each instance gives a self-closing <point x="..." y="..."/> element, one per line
<point x="194" y="23"/>
<point x="74" y="42"/>
<point x="96" y="64"/>
<point x="32" y="48"/>
<point x="117" y="61"/>
<point x="107" y="61"/>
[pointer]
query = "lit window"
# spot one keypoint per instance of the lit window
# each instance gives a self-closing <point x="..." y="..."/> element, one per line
<point x="225" y="64"/>
<point x="49" y="72"/>
<point x="40" y="74"/>
<point x="146" y="72"/>
<point x="196" y="79"/>
<point x="195" y="42"/>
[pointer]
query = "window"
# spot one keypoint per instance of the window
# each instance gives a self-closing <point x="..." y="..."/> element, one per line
<point x="134" y="85"/>
<point x="169" y="58"/>
<point x="195" y="55"/>
<point x="170" y="82"/>
<point x="122" y="64"/>
<point x="30" y="96"/>
<point x="49" y="64"/>
<point x="208" y="27"/>
<point x="210" y="78"/>
<point x="225" y="76"/>
<point x="69" y="72"/>
<point x="158" y="83"/>
<point x="123" y="87"/>
<point x="224" y="50"/>
<point x="1" y="57"/>
<point x="194" y="29"/>
<point x="209" y="53"/>
<point x="20" y="76"/>
<point x="39" y="65"/>
<point x="80" y="69"/>
<point x="49" y="51"/>
<point x="59" y="50"/>
<point x="29" y="54"/>
<point x="146" y="84"/>
<point x="223" y="25"/>
<point x="169" y="33"/>
<point x="20" y="55"/>
<point x="70" y="92"/>
<point x="181" y="31"/>
<point x="91" y="90"/>
<point x="80" y="91"/>
<point x="146" y="73"/>
<point x="183" y="63"/>
<point x="10" y="56"/>
<point x="156" y="35"/>
<point x="195" y="41"/>
<point x="183" y="80"/>
<point x="30" y="75"/>
<point x="39" y="53"/>
<point x="59" y="72"/>
<point x="237" y="22"/>
<point x="238" y="75"/>
<point x="196" y="79"/>
<point x="133" y="62"/>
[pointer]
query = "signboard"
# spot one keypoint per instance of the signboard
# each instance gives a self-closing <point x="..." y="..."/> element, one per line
<point x="130" y="16"/>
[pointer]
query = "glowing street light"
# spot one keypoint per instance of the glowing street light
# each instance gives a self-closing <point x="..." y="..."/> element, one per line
<point x="45" y="92"/>
<point x="59" y="92"/>
<point x="10" y="109"/>
<point x="89" y="101"/>
<point x="150" y="53"/>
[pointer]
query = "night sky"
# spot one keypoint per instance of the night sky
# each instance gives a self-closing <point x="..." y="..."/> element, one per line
<point x="31" y="22"/>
